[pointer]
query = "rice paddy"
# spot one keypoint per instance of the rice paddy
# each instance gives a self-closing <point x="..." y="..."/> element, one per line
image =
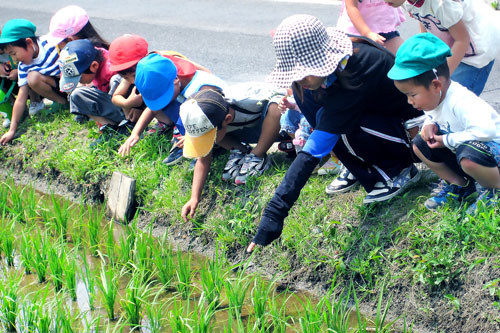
<point x="66" y="268"/>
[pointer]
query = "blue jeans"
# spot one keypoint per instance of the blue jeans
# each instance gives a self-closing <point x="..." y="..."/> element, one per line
<point x="290" y="121"/>
<point x="471" y="77"/>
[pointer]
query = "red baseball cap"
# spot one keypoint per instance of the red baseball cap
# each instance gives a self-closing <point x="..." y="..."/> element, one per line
<point x="126" y="51"/>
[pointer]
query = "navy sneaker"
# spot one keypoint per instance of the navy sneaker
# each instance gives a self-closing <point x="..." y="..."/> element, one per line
<point x="488" y="197"/>
<point x="383" y="191"/>
<point x="450" y="192"/>
<point x="343" y="183"/>
<point x="175" y="154"/>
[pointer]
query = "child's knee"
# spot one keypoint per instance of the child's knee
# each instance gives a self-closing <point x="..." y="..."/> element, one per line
<point x="273" y="111"/>
<point x="34" y="79"/>
<point x="468" y="165"/>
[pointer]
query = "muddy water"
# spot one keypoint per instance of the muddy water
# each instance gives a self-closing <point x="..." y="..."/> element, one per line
<point x="32" y="289"/>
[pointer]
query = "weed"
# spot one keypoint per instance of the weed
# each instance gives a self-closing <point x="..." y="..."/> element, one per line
<point x="108" y="285"/>
<point x="184" y="275"/>
<point x="337" y="312"/>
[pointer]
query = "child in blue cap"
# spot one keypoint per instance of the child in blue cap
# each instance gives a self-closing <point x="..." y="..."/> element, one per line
<point x="460" y="138"/>
<point x="37" y="69"/>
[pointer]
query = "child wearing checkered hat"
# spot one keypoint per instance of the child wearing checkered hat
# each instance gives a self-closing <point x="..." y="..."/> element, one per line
<point x="342" y="88"/>
<point x="460" y="139"/>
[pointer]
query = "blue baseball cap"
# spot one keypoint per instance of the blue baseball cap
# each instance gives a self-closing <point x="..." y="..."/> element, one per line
<point x="75" y="58"/>
<point x="418" y="54"/>
<point x="154" y="78"/>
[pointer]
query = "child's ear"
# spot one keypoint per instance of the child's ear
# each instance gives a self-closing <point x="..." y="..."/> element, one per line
<point x="94" y="66"/>
<point x="29" y="43"/>
<point x="228" y="119"/>
<point x="437" y="84"/>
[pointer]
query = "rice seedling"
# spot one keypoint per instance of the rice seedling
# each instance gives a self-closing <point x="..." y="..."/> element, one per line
<point x="56" y="262"/>
<point x="143" y="254"/>
<point x="212" y="279"/>
<point x="236" y="290"/>
<point x="203" y="316"/>
<point x="136" y="294"/>
<point x="155" y="313"/>
<point x="69" y="273"/>
<point x="9" y="305"/>
<point x="110" y="244"/>
<point x="184" y="275"/>
<point x="16" y="207"/>
<point x="27" y="316"/>
<point x="60" y="213"/>
<point x="164" y="262"/>
<point x="108" y="285"/>
<point x="4" y="195"/>
<point x="7" y="242"/>
<point x="260" y="293"/>
<point x="31" y="205"/>
<point x="63" y="318"/>
<point x="277" y="313"/>
<point x="89" y="281"/>
<point x="311" y="318"/>
<point x="94" y="218"/>
<point x="40" y="249"/>
<point x="337" y="312"/>
<point x="26" y="252"/>
<point x="178" y="324"/>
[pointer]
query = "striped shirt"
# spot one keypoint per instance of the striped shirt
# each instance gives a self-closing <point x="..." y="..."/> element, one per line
<point x="45" y="63"/>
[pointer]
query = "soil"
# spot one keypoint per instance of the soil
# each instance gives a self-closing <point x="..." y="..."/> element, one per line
<point x="428" y="310"/>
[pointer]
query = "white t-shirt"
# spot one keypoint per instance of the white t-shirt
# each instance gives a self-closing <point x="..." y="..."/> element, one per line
<point x="45" y="63"/>
<point x="464" y="117"/>
<point x="481" y="21"/>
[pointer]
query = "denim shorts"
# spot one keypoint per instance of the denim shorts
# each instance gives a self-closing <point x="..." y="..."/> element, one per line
<point x="471" y="77"/>
<point x="389" y="35"/>
<point x="290" y="121"/>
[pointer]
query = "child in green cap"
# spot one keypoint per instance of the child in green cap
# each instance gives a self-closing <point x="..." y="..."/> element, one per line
<point x="38" y="68"/>
<point x="460" y="138"/>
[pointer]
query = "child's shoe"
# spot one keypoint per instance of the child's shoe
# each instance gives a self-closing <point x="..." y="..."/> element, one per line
<point x="331" y="167"/>
<point x="343" y="183"/>
<point x="108" y="131"/>
<point x="450" y="191"/>
<point x="6" y="123"/>
<point x="383" y="191"/>
<point x="233" y="165"/>
<point x="252" y="166"/>
<point x="287" y="147"/>
<point x="487" y="197"/>
<point x="36" y="107"/>
<point x="175" y="154"/>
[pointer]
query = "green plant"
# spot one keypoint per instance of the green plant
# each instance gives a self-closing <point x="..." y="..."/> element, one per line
<point x="136" y="295"/>
<point x="16" y="207"/>
<point x="69" y="273"/>
<point x="278" y="315"/>
<point x="184" y="275"/>
<point x="7" y="241"/>
<point x="212" y="280"/>
<point x="56" y="261"/>
<point x="203" y="316"/>
<point x="260" y="293"/>
<point x="143" y="253"/>
<point x="63" y="319"/>
<point x="89" y="281"/>
<point x="236" y="290"/>
<point x="60" y="213"/>
<point x="164" y="262"/>
<point x="40" y="249"/>
<point x="155" y="313"/>
<point x="9" y="305"/>
<point x="108" y="285"/>
<point x="26" y="252"/>
<point x="28" y="316"/>
<point x="95" y="216"/>
<point x="178" y="324"/>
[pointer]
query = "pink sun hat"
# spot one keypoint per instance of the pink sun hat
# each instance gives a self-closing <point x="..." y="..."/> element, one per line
<point x="66" y="22"/>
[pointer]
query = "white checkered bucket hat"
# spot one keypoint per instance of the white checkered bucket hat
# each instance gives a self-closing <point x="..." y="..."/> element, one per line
<point x="305" y="47"/>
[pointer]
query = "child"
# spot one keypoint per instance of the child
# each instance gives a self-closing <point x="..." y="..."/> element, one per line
<point x="460" y="139"/>
<point x="469" y="27"/>
<point x="84" y="63"/>
<point x="342" y="89"/>
<point x="373" y="19"/>
<point x="125" y="52"/>
<point x="37" y="68"/>
<point x="72" y="23"/>
<point x="164" y="88"/>
<point x="210" y="118"/>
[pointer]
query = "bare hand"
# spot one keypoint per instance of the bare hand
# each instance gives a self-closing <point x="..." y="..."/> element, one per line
<point x="180" y="142"/>
<point x="7" y="137"/>
<point x="436" y="142"/>
<point x="428" y="132"/>
<point x="12" y="75"/>
<point x="4" y="70"/>
<point x="189" y="209"/>
<point x="124" y="149"/>
<point x="285" y="104"/>
<point x="376" y="37"/>
<point x="250" y="247"/>
<point x="135" y="98"/>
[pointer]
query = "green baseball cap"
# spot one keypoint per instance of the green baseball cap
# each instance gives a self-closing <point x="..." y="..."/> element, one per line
<point x="418" y="54"/>
<point x="17" y="29"/>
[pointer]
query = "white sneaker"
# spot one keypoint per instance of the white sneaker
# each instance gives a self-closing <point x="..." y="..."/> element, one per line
<point x="6" y="123"/>
<point x="36" y="107"/>
<point x="331" y="167"/>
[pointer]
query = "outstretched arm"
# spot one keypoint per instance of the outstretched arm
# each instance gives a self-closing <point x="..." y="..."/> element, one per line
<point x="201" y="170"/>
<point x="17" y="114"/>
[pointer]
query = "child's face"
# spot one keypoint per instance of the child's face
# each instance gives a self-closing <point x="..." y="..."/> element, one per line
<point x="311" y="82"/>
<point x="20" y="54"/>
<point x="395" y="3"/>
<point x="89" y="76"/>
<point x="420" y="97"/>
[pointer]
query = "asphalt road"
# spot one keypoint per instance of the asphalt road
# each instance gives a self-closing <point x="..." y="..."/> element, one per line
<point x="231" y="37"/>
